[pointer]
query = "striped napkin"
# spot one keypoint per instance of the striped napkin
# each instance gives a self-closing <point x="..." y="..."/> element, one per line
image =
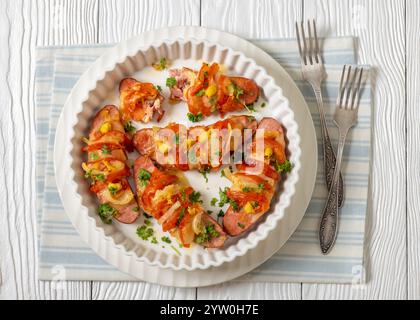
<point x="63" y="253"/>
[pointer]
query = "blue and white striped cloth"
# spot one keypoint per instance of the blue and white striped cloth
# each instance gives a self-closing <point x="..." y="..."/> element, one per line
<point x="300" y="260"/>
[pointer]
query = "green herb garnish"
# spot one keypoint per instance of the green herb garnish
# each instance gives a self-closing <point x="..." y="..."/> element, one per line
<point x="154" y="240"/>
<point x="144" y="177"/>
<point x="263" y="105"/>
<point x="159" y="88"/>
<point x="224" y="199"/>
<point x="176" y="250"/>
<point x="200" y="93"/>
<point x="220" y="214"/>
<point x="261" y="186"/>
<point x="144" y="232"/>
<point x="94" y="156"/>
<point x="240" y="225"/>
<point x="250" y="107"/>
<point x="208" y="233"/>
<point x="148" y="223"/>
<point x="204" y="173"/>
<point x="213" y="201"/>
<point x="283" y="167"/>
<point x="195" y="197"/>
<point x="246" y="189"/>
<point x="106" y="213"/>
<point x="166" y="239"/>
<point x="113" y="190"/>
<point x="105" y="149"/>
<point x="195" y="118"/>
<point x="128" y="127"/>
<point x="181" y="215"/>
<point x="100" y="177"/>
<point x="136" y="209"/>
<point x="170" y="82"/>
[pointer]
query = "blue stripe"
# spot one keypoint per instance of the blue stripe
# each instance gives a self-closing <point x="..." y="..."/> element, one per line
<point x="63" y="257"/>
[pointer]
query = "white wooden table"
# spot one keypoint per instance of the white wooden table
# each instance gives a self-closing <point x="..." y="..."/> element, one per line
<point x="388" y="32"/>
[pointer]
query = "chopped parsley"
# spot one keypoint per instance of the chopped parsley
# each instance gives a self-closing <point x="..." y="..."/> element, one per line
<point x="148" y="223"/>
<point x="154" y="240"/>
<point x="234" y="205"/>
<point x="263" y="105"/>
<point x="222" y="173"/>
<point x="209" y="212"/>
<point x="224" y="199"/>
<point x="105" y="149"/>
<point x="240" y="225"/>
<point x="250" y="107"/>
<point x="177" y="138"/>
<point x="283" y="167"/>
<point x="144" y="177"/>
<point x="128" y="127"/>
<point x="246" y="189"/>
<point x="136" y="209"/>
<point x="200" y="93"/>
<point x="181" y="215"/>
<point x="195" y="118"/>
<point x="176" y="250"/>
<point x="166" y="239"/>
<point x="183" y="195"/>
<point x="113" y="190"/>
<point x="206" y="74"/>
<point x="94" y="156"/>
<point x="161" y="65"/>
<point x="220" y="214"/>
<point x="100" y="177"/>
<point x="208" y="233"/>
<point x="158" y="88"/>
<point x="204" y="173"/>
<point x="213" y="201"/>
<point x="236" y="91"/>
<point x="261" y="186"/>
<point x="195" y="197"/>
<point x="106" y="213"/>
<point x="170" y="82"/>
<point x="144" y="232"/>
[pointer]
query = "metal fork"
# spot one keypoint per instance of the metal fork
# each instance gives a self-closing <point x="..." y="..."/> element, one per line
<point x="313" y="71"/>
<point x="345" y="117"/>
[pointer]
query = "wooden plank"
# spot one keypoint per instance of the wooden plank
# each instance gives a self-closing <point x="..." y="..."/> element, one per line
<point x="379" y="26"/>
<point x="120" y="20"/>
<point x="413" y="147"/>
<point x="252" y="19"/>
<point x="23" y="25"/>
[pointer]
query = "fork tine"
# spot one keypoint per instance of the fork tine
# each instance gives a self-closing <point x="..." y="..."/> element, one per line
<point x="350" y="88"/>
<point x="298" y="41"/>
<point x="305" y="52"/>
<point x="317" y="55"/>
<point x="356" y="93"/>
<point x="310" y="40"/>
<point x="343" y="85"/>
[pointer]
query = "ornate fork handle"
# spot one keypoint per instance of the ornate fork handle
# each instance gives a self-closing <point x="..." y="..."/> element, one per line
<point x="329" y="219"/>
<point x="329" y="155"/>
